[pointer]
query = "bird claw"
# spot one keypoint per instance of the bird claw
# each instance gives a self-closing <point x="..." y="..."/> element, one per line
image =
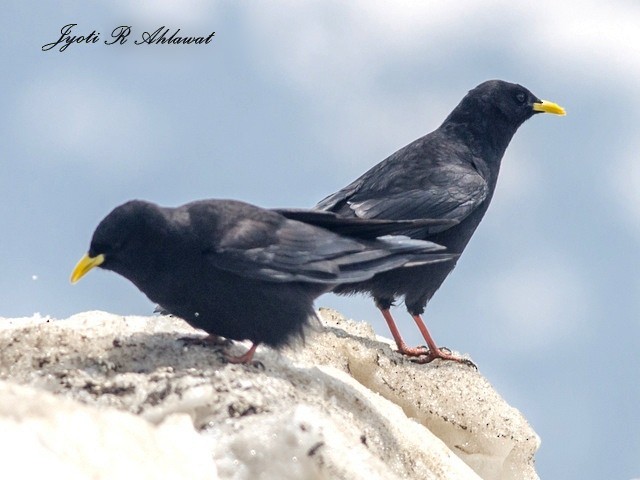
<point x="418" y="351"/>
<point x="443" y="353"/>
<point x="257" y="364"/>
<point x="469" y="363"/>
<point x="246" y="358"/>
<point x="241" y="360"/>
<point x="217" y="341"/>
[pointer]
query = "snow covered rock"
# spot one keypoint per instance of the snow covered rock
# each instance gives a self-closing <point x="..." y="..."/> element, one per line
<point x="98" y="394"/>
<point x="46" y="436"/>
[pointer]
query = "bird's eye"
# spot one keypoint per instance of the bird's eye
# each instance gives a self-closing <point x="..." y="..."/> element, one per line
<point x="521" y="97"/>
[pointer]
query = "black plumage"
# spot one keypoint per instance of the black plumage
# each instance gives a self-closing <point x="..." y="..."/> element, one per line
<point x="240" y="271"/>
<point x="451" y="173"/>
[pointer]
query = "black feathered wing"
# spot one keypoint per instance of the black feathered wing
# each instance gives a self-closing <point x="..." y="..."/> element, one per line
<point x="333" y="202"/>
<point x="363" y="228"/>
<point x="450" y="193"/>
<point x="297" y="252"/>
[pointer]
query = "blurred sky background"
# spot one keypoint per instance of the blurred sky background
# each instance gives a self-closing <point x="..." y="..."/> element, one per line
<point x="295" y="99"/>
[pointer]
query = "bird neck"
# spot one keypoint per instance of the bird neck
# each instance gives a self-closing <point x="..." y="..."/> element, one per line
<point x="487" y="139"/>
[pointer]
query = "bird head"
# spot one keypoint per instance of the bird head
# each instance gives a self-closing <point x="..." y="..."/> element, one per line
<point x="500" y="100"/>
<point x="123" y="240"/>
<point x="490" y="114"/>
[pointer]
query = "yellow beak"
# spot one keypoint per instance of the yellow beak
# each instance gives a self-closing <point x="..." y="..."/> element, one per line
<point x="85" y="264"/>
<point x="549" y="107"/>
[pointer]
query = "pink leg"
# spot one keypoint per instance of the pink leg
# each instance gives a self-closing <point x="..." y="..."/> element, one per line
<point x="403" y="348"/>
<point x="244" y="358"/>
<point x="434" y="350"/>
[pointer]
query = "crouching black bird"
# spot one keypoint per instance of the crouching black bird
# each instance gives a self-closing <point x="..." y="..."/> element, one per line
<point x="450" y="173"/>
<point x="239" y="271"/>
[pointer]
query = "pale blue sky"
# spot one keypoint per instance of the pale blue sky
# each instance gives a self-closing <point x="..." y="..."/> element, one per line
<point x="293" y="100"/>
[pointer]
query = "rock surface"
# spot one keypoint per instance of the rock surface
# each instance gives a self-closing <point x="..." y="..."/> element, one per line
<point x="104" y="396"/>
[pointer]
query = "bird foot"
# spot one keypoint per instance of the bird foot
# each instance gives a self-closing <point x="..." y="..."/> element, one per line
<point x="217" y="341"/>
<point x="413" y="351"/>
<point x="443" y="353"/>
<point x="245" y="358"/>
<point x="239" y="361"/>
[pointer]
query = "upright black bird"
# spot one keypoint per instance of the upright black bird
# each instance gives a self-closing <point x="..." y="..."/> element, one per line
<point x="450" y="173"/>
<point x="241" y="272"/>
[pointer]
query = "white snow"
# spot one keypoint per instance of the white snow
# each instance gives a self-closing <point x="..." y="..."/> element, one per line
<point x="98" y="395"/>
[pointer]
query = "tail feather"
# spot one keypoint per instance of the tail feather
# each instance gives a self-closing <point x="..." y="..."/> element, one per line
<point x="363" y="228"/>
<point x="390" y="252"/>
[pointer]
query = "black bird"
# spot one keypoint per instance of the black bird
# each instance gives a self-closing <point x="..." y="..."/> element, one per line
<point x="450" y="173"/>
<point x="238" y="271"/>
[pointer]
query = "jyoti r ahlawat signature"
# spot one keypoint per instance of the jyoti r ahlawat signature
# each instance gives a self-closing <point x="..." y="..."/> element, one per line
<point x="120" y="35"/>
